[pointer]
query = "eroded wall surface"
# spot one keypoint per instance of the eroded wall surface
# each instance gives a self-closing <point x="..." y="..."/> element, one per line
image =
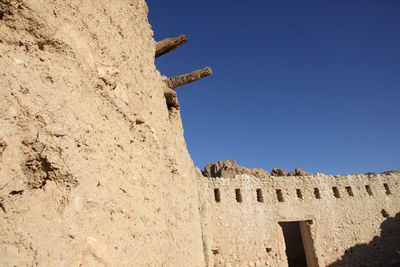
<point x="94" y="169"/>
<point x="247" y="233"/>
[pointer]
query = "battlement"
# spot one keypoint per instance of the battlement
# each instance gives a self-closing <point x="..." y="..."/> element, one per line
<point x="304" y="189"/>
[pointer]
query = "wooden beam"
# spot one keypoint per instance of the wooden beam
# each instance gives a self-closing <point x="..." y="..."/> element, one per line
<point x="169" y="44"/>
<point x="177" y="81"/>
<point x="171" y="98"/>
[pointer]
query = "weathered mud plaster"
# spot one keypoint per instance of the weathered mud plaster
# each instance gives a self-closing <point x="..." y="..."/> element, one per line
<point x="94" y="169"/>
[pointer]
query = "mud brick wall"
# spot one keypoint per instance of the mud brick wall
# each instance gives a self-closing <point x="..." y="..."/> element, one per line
<point x="241" y="215"/>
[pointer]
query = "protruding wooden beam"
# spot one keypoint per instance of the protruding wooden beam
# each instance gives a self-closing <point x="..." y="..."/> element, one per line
<point x="171" y="98"/>
<point x="177" y="81"/>
<point x="169" y="44"/>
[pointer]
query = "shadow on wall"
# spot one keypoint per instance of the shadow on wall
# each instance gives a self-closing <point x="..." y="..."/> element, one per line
<point x="383" y="250"/>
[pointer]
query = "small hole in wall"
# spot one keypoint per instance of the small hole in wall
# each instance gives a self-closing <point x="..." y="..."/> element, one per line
<point x="385" y="214"/>
<point x="215" y="251"/>
<point x="260" y="197"/>
<point x="349" y="191"/>
<point x="317" y="194"/>
<point x="299" y="194"/>
<point x="238" y="195"/>
<point x="217" y="195"/>
<point x="268" y="250"/>
<point x="387" y="189"/>
<point x="368" y="189"/>
<point x="279" y="195"/>
<point x="41" y="45"/>
<point x="336" y="192"/>
<point x="170" y="107"/>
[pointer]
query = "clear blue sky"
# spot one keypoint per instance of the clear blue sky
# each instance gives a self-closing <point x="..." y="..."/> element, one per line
<point x="309" y="84"/>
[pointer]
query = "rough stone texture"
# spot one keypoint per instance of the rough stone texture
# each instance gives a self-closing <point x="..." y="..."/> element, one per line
<point x="382" y="250"/>
<point x="280" y="172"/>
<point x="345" y="231"/>
<point x="300" y="172"/>
<point x="229" y="169"/>
<point x="94" y="169"/>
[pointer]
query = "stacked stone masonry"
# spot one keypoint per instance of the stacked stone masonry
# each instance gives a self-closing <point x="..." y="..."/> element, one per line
<point x="241" y="219"/>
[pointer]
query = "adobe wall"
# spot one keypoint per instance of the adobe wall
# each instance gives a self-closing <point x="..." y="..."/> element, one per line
<point x="247" y="233"/>
<point x="94" y="169"/>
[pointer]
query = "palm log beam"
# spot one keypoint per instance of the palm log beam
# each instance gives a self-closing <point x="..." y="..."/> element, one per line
<point x="177" y="81"/>
<point x="171" y="98"/>
<point x="169" y="44"/>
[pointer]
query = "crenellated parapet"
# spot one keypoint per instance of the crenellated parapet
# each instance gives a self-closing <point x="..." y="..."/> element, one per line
<point x="298" y="189"/>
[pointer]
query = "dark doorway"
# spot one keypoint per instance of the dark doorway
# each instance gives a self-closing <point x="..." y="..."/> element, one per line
<point x="294" y="244"/>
